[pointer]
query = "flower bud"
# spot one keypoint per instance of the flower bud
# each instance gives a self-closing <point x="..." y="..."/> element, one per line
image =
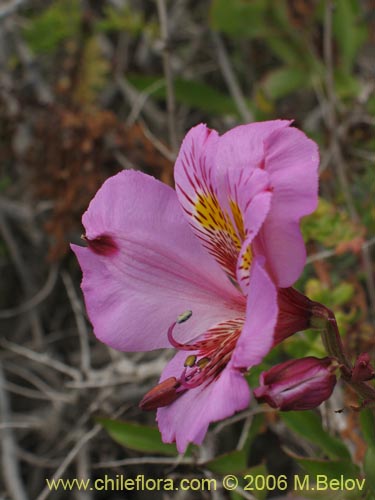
<point x="363" y="370"/>
<point x="298" y="384"/>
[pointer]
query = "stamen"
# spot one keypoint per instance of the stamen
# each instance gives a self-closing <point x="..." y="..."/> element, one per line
<point x="184" y="317"/>
<point x="190" y="361"/>
<point x="191" y="381"/>
<point x="203" y="362"/>
<point x="181" y="319"/>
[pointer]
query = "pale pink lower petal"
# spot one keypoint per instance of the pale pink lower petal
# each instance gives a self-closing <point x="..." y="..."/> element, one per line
<point x="292" y="162"/>
<point x="156" y="271"/>
<point x="256" y="338"/>
<point x="187" y="419"/>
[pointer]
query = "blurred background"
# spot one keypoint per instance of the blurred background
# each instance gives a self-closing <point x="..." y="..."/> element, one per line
<point x="88" y="88"/>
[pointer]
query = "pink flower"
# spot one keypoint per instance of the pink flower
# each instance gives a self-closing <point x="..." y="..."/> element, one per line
<point x="220" y="246"/>
<point x="298" y="384"/>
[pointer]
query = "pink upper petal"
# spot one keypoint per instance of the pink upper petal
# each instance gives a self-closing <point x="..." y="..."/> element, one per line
<point x="292" y="162"/>
<point x="157" y="271"/>
<point x="242" y="148"/>
<point x="256" y="338"/>
<point x="226" y="199"/>
<point x="187" y="419"/>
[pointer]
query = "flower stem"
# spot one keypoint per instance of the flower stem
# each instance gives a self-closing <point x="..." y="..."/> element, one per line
<point x="324" y="320"/>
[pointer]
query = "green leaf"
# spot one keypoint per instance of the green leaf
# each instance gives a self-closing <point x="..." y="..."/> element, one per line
<point x="283" y="47"/>
<point x="240" y="18"/>
<point x="330" y="469"/>
<point x="369" y="468"/>
<point x="329" y="225"/>
<point x="368" y="430"/>
<point x="368" y="426"/>
<point x="348" y="31"/>
<point x="309" y="425"/>
<point x="124" y="19"/>
<point x="283" y="81"/>
<point x="191" y="93"/>
<point x="55" y="24"/>
<point x="137" y="437"/>
<point x="346" y="84"/>
<point x="229" y="463"/>
<point x="246" y="483"/>
<point x="256" y="424"/>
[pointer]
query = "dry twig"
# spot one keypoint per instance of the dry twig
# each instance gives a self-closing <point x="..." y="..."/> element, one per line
<point x="11" y="470"/>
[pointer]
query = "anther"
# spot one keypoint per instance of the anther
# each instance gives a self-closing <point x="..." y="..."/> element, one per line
<point x="181" y="319"/>
<point x="184" y="317"/>
<point x="190" y="361"/>
<point x="203" y="362"/>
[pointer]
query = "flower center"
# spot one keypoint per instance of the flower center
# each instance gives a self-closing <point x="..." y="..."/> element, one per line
<point x="211" y="354"/>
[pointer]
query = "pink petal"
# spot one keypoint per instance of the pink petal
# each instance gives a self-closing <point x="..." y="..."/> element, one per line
<point x="219" y="196"/>
<point x="187" y="419"/>
<point x="242" y="148"/>
<point x="157" y="271"/>
<point x="292" y="162"/>
<point x="256" y="338"/>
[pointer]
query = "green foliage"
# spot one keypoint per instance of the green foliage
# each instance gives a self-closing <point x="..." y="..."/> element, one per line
<point x="304" y="344"/>
<point x="285" y="80"/>
<point x="368" y="426"/>
<point x="125" y="19"/>
<point x="369" y="468"/>
<point x="57" y="23"/>
<point x="270" y="21"/>
<point x="338" y="296"/>
<point x="348" y="31"/>
<point x="332" y="469"/>
<point x="93" y="73"/>
<point x="230" y="463"/>
<point x="368" y="430"/>
<point x="308" y="425"/>
<point x="334" y="298"/>
<point x="137" y="437"/>
<point x="5" y="182"/>
<point x="240" y="18"/>
<point x="189" y="92"/>
<point x="329" y="226"/>
<point x="245" y="482"/>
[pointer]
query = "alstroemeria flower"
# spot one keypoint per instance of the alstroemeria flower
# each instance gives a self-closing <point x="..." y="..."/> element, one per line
<point x="220" y="246"/>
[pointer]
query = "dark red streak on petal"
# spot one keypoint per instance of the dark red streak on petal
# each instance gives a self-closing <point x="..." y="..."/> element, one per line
<point x="103" y="245"/>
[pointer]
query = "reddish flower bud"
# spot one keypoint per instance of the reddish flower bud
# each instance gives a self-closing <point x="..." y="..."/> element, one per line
<point x="294" y="313"/>
<point x="162" y="394"/>
<point x="298" y="384"/>
<point x="363" y="370"/>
